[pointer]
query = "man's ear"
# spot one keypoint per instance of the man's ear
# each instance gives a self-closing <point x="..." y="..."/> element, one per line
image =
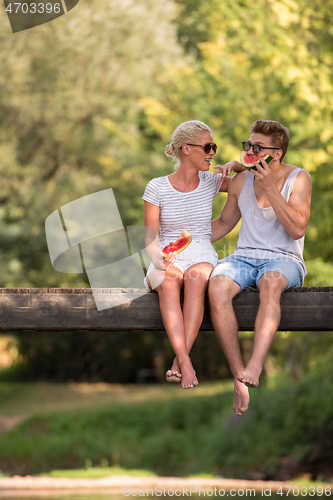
<point x="278" y="155"/>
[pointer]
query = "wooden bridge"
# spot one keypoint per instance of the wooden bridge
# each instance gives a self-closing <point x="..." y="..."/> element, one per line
<point x="66" y="309"/>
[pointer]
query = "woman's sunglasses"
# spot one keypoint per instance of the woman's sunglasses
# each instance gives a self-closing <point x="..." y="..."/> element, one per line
<point x="207" y="147"/>
<point x="255" y="147"/>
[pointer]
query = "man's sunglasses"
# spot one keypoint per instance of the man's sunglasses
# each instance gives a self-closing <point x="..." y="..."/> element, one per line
<point x="207" y="147"/>
<point x="255" y="147"/>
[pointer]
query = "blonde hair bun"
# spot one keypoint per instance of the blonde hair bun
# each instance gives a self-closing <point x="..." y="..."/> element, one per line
<point x="170" y="150"/>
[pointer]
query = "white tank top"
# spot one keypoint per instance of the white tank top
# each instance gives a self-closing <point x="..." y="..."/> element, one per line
<point x="261" y="235"/>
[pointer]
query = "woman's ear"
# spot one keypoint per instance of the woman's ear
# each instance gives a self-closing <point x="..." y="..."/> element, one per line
<point x="185" y="149"/>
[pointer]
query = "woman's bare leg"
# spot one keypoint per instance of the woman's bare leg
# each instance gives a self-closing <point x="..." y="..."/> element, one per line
<point x="195" y="284"/>
<point x="172" y="316"/>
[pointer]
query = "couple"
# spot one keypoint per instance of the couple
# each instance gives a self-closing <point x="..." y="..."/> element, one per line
<point x="274" y="203"/>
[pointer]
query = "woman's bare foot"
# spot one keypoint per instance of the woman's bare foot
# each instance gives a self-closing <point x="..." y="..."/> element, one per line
<point x="174" y="375"/>
<point x="241" y="397"/>
<point x="189" y="378"/>
<point x="250" y="376"/>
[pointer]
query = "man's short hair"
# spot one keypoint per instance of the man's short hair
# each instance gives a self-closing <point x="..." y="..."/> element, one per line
<point x="278" y="133"/>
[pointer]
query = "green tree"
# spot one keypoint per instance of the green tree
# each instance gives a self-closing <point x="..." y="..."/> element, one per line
<point x="69" y="93"/>
<point x="269" y="59"/>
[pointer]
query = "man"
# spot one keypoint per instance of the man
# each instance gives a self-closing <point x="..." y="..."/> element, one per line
<point x="274" y="203"/>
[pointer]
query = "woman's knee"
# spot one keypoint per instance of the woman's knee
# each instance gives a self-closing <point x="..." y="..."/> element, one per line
<point x="169" y="286"/>
<point x="198" y="274"/>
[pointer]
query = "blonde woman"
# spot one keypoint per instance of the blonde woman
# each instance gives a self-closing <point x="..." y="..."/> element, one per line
<point x="183" y="200"/>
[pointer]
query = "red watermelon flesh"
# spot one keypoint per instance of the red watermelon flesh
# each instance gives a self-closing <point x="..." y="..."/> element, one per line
<point x="248" y="161"/>
<point x="178" y="246"/>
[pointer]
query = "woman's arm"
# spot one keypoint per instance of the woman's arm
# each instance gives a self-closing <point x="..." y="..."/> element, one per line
<point x="151" y="219"/>
<point x="230" y="214"/>
<point x="231" y="166"/>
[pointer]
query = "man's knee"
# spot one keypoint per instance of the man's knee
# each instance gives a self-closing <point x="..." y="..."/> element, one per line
<point x="222" y="289"/>
<point x="272" y="284"/>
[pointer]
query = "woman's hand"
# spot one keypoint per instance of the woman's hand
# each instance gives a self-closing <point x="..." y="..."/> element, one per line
<point x="165" y="263"/>
<point x="231" y="166"/>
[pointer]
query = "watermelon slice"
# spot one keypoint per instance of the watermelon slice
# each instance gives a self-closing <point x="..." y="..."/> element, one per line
<point x="178" y="246"/>
<point x="248" y="161"/>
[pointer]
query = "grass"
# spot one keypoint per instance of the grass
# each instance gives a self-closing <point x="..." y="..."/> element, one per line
<point x="94" y="429"/>
<point x="98" y="472"/>
<point x="70" y="426"/>
<point x="29" y="399"/>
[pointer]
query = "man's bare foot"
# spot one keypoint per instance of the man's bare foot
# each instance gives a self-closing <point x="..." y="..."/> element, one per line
<point x="250" y="377"/>
<point x="189" y="378"/>
<point x="241" y="397"/>
<point x="173" y="376"/>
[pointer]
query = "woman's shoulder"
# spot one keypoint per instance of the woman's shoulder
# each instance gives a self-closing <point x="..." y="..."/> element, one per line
<point x="157" y="182"/>
<point x="207" y="178"/>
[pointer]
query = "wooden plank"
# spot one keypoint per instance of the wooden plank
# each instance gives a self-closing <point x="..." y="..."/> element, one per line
<point x="68" y="309"/>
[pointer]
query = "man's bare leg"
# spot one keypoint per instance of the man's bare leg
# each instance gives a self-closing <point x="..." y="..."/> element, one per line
<point x="270" y="285"/>
<point x="195" y="284"/>
<point x="221" y="292"/>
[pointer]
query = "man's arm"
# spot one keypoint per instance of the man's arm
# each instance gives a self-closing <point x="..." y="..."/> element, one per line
<point x="293" y="215"/>
<point x="230" y="213"/>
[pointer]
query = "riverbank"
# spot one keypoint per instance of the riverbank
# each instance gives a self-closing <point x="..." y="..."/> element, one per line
<point x="129" y="486"/>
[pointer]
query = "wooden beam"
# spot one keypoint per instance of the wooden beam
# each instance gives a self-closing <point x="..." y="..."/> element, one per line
<point x="65" y="309"/>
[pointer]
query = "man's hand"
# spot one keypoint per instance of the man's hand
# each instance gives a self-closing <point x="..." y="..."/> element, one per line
<point x="264" y="176"/>
<point x="293" y="214"/>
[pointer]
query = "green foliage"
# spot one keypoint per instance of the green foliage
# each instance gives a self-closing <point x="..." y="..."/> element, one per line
<point x="99" y="112"/>
<point x="69" y="97"/>
<point x="267" y="59"/>
<point x="283" y="434"/>
<point x="97" y="472"/>
<point x="111" y="357"/>
<point x="89" y="102"/>
<point x="157" y="436"/>
<point x="319" y="273"/>
<point x="289" y="425"/>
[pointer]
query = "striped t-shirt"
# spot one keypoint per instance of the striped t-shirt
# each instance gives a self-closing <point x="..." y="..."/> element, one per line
<point x="179" y="211"/>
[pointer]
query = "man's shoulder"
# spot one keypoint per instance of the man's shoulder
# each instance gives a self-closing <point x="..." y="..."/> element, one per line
<point x="237" y="182"/>
<point x="301" y="186"/>
<point x="300" y="171"/>
<point x="303" y="177"/>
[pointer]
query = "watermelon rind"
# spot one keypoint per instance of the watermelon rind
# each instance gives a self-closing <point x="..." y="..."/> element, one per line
<point x="251" y="166"/>
<point x="179" y="245"/>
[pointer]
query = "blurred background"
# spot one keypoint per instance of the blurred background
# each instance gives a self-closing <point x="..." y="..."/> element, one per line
<point x="88" y="102"/>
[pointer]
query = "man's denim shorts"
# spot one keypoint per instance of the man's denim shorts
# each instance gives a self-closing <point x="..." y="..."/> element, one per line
<point x="247" y="272"/>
